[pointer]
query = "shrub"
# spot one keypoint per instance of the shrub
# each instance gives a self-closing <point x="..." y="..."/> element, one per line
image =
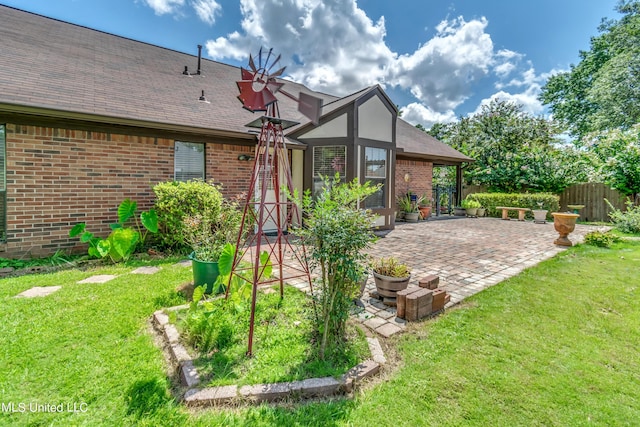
<point x="628" y="221"/>
<point x="177" y="200"/>
<point x="337" y="232"/>
<point x="548" y="201"/>
<point x="600" y="239"/>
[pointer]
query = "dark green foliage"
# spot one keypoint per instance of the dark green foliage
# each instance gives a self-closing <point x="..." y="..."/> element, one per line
<point x="547" y="201"/>
<point x="513" y="151"/>
<point x="601" y="92"/>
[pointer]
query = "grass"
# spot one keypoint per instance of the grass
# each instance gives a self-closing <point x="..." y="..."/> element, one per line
<point x="281" y="347"/>
<point x="556" y="345"/>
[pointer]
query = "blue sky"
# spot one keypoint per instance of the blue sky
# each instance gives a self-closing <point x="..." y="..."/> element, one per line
<point x="436" y="59"/>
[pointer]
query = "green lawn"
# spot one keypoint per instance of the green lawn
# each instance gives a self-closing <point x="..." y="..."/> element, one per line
<point x="556" y="345"/>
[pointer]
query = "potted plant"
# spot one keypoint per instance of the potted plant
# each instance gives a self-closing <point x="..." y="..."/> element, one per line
<point x="425" y="207"/>
<point x="482" y="211"/>
<point x="207" y="236"/>
<point x="409" y="204"/>
<point x="404" y="205"/>
<point x="471" y="207"/>
<point x="390" y="276"/>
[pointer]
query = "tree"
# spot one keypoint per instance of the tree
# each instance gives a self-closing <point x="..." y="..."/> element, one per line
<point x="603" y="91"/>
<point x="513" y="151"/>
<point x="618" y="152"/>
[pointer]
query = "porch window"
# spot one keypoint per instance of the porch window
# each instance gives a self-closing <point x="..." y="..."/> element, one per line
<point x="375" y="171"/>
<point x="189" y="161"/>
<point x="327" y="161"/>
<point x="3" y="186"/>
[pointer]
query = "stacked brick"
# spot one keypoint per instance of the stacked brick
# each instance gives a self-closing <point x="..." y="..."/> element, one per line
<point x="416" y="303"/>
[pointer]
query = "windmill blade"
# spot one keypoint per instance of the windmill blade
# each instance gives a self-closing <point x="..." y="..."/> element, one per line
<point x="278" y="73"/>
<point x="252" y="64"/>
<point x="310" y="106"/>
<point x="246" y="75"/>
<point x="260" y="57"/>
<point x="274" y="63"/>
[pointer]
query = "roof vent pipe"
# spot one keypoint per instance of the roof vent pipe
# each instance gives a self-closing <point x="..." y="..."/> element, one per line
<point x="186" y="71"/>
<point x="199" y="57"/>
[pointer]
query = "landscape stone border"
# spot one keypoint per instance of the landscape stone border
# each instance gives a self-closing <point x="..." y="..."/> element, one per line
<point x="215" y="396"/>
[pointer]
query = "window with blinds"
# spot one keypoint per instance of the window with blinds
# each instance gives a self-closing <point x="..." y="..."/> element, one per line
<point x="375" y="171"/>
<point x="327" y="161"/>
<point x="188" y="161"/>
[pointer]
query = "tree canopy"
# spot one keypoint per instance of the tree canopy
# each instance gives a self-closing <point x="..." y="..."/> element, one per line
<point x="602" y="91"/>
<point x="513" y="150"/>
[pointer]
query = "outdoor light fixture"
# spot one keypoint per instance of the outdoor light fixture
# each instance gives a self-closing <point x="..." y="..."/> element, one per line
<point x="407" y="177"/>
<point x="245" y="157"/>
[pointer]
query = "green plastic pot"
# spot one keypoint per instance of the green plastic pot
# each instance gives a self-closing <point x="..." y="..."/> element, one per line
<point x="204" y="273"/>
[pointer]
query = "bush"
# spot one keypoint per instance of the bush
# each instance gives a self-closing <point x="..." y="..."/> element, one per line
<point x="628" y="221"/>
<point x="547" y="201"/>
<point x="177" y="200"/>
<point x="600" y="239"/>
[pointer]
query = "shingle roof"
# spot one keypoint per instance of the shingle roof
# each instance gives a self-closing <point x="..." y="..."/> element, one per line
<point x="56" y="68"/>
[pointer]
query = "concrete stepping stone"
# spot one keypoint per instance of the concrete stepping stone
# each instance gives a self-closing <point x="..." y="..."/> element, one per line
<point x="101" y="278"/>
<point x="38" y="291"/>
<point x="146" y="270"/>
<point x="185" y="263"/>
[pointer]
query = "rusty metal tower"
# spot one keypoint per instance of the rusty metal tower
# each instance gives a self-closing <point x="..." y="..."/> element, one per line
<point x="268" y="213"/>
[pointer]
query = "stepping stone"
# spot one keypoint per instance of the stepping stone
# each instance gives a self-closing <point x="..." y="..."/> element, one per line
<point x="145" y="270"/>
<point x="185" y="263"/>
<point x="102" y="278"/>
<point x="38" y="291"/>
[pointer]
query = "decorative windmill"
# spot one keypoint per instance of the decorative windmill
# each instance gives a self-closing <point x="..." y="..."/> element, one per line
<point x="265" y="205"/>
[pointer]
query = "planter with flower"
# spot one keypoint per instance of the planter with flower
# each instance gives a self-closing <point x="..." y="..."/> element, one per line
<point x="424" y="206"/>
<point x="390" y="276"/>
<point x="207" y="237"/>
<point x="471" y="207"/>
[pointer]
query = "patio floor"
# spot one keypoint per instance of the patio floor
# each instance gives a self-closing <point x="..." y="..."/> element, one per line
<point x="468" y="254"/>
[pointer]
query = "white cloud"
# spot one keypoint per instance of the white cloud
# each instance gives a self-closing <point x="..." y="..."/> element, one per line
<point x="161" y="7"/>
<point x="415" y="113"/>
<point x="207" y="10"/>
<point x="441" y="72"/>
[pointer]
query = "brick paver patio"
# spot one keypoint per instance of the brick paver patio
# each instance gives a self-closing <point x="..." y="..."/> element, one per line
<point x="468" y="254"/>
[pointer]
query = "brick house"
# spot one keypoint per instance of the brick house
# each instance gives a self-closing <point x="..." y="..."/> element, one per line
<point x="88" y="119"/>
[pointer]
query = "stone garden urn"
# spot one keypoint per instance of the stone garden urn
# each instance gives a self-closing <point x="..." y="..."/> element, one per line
<point x="564" y="223"/>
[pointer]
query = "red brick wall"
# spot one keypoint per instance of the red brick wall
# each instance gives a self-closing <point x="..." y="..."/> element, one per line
<point x="420" y="177"/>
<point x="59" y="177"/>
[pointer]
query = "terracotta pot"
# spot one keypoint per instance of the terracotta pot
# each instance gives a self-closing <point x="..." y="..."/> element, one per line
<point x="388" y="286"/>
<point x="564" y="223"/>
<point x="425" y="212"/>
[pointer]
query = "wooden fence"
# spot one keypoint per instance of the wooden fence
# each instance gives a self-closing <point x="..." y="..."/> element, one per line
<point x="591" y="195"/>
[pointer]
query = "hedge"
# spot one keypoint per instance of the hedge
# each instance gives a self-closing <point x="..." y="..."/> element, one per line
<point x="550" y="202"/>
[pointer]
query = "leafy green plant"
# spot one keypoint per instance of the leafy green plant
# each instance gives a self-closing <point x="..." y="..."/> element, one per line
<point x="550" y="201"/>
<point x="470" y="204"/>
<point x="337" y="232"/>
<point x="122" y="241"/>
<point x="627" y="221"/>
<point x="600" y="239"/>
<point x="177" y="200"/>
<point x="207" y="235"/>
<point x="391" y="267"/>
